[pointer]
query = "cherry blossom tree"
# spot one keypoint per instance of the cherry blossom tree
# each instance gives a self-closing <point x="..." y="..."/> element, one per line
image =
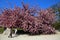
<point x="25" y="19"/>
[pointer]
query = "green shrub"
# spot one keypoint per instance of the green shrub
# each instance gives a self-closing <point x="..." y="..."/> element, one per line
<point x="57" y="25"/>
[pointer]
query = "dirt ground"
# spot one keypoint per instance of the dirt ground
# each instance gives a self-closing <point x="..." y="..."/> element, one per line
<point x="27" y="37"/>
<point x="5" y="34"/>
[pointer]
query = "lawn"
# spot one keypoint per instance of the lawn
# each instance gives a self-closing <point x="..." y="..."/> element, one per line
<point x="1" y="30"/>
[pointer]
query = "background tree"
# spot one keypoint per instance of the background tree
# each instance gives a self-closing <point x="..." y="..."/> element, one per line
<point x="56" y="8"/>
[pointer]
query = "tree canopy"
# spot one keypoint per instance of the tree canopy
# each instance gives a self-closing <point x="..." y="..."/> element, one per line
<point x="24" y="18"/>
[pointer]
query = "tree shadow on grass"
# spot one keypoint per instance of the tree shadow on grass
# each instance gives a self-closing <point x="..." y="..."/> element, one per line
<point x="21" y="32"/>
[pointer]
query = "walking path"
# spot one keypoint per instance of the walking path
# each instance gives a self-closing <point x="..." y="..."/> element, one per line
<point x="27" y="37"/>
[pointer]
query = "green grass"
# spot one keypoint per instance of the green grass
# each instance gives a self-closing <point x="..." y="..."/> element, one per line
<point x="1" y="30"/>
<point x="17" y="28"/>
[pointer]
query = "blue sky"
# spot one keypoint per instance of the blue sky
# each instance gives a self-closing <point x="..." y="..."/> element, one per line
<point x="41" y="3"/>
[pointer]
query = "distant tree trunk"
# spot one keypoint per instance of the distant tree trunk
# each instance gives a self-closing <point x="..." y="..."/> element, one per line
<point x="15" y="31"/>
<point x="10" y="32"/>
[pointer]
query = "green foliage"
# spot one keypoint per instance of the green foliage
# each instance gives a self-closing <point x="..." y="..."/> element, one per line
<point x="56" y="8"/>
<point x="57" y="25"/>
